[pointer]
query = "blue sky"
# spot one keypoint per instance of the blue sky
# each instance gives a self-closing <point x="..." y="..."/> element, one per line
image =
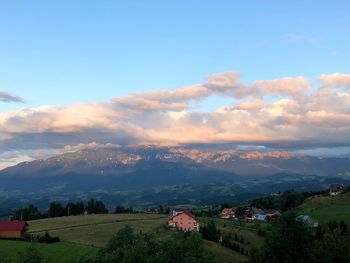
<point x="60" y="52"/>
<point x="79" y="68"/>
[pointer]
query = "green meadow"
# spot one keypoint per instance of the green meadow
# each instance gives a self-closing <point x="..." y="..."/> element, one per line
<point x="83" y="235"/>
<point x="327" y="208"/>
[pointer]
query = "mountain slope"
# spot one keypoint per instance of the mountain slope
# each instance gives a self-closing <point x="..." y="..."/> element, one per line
<point x="155" y="174"/>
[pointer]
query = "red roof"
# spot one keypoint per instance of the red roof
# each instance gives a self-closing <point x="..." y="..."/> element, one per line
<point x="186" y="212"/>
<point x="13" y="225"/>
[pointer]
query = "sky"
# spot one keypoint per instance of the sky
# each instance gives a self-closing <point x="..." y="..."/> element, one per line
<point x="77" y="74"/>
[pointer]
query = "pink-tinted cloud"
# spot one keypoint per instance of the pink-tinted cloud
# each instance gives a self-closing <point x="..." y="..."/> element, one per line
<point x="295" y="111"/>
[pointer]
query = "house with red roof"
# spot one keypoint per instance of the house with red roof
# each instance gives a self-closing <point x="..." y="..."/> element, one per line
<point x="184" y="221"/>
<point x="227" y="213"/>
<point x="13" y="229"/>
<point x="335" y="189"/>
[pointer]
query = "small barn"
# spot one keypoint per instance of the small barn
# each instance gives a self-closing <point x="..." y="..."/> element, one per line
<point x="13" y="229"/>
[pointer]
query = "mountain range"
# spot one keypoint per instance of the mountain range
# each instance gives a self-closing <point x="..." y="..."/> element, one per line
<point x="121" y="174"/>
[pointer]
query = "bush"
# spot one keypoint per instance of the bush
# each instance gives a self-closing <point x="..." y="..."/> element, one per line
<point x="127" y="247"/>
<point x="47" y="239"/>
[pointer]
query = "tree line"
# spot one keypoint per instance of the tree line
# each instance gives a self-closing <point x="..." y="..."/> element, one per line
<point x="55" y="209"/>
<point x="58" y="210"/>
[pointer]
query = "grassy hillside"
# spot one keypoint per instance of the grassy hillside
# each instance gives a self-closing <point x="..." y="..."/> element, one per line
<point x="57" y="253"/>
<point x="327" y="208"/>
<point x="96" y="230"/>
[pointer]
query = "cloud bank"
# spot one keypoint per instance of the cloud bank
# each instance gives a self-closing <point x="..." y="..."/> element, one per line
<point x="286" y="111"/>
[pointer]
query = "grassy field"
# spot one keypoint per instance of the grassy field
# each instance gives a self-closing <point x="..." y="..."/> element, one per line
<point x="94" y="230"/>
<point x="327" y="208"/>
<point x="82" y="235"/>
<point x="68" y="252"/>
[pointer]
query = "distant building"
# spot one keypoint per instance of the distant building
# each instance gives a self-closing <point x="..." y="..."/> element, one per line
<point x="152" y="211"/>
<point x="13" y="229"/>
<point x="261" y="217"/>
<point x="308" y="220"/>
<point x="271" y="213"/>
<point x="335" y="189"/>
<point x="227" y="213"/>
<point x="184" y="221"/>
<point x="252" y="213"/>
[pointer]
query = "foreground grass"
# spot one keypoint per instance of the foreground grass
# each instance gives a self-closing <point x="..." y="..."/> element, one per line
<point x="327" y="208"/>
<point x="56" y="253"/>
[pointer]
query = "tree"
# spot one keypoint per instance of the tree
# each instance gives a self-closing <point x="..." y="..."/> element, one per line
<point x="29" y="213"/>
<point x="126" y="246"/>
<point x="96" y="207"/>
<point x="240" y="211"/>
<point x="289" y="242"/>
<point x="210" y="232"/>
<point x="57" y="210"/>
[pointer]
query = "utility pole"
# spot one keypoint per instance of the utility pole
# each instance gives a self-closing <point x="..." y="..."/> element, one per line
<point x="68" y="209"/>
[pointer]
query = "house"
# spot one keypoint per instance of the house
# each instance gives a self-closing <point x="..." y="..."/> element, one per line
<point x="335" y="189"/>
<point x="252" y="213"/>
<point x="13" y="229"/>
<point x="308" y="220"/>
<point x="261" y="217"/>
<point x="271" y="213"/>
<point x="184" y="221"/>
<point x="227" y="213"/>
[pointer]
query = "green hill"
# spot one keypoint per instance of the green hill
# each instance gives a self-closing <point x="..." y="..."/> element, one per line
<point x="327" y="208"/>
<point x="85" y="234"/>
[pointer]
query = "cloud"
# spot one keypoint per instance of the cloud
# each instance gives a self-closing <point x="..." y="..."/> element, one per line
<point x="335" y="80"/>
<point x="297" y="38"/>
<point x="7" y="97"/>
<point x="289" y="111"/>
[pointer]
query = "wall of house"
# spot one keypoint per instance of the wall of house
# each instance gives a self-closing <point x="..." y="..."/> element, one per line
<point x="10" y="234"/>
<point x="185" y="222"/>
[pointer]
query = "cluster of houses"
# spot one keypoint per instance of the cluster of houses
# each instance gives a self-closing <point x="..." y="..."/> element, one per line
<point x="251" y="214"/>
<point x="185" y="221"/>
<point x="336" y="189"/>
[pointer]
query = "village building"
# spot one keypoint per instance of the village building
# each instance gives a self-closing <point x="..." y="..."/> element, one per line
<point x="184" y="221"/>
<point x="271" y="213"/>
<point x="308" y="220"/>
<point x="227" y="213"/>
<point x="252" y="213"/>
<point x="13" y="229"/>
<point x="261" y="217"/>
<point x="335" y="189"/>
